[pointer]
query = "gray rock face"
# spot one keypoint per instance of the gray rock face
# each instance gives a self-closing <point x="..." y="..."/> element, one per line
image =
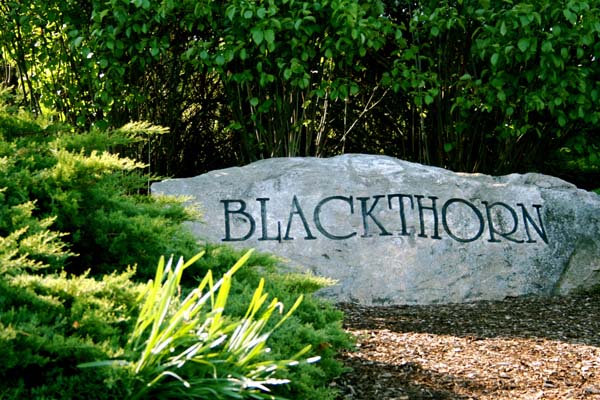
<point x="394" y="232"/>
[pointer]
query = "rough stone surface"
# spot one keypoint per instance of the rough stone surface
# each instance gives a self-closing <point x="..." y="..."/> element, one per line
<point x="394" y="232"/>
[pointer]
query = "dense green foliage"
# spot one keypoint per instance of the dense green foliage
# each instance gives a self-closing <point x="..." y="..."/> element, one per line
<point x="472" y="85"/>
<point x="49" y="324"/>
<point x="74" y="219"/>
<point x="56" y="179"/>
<point x="191" y="348"/>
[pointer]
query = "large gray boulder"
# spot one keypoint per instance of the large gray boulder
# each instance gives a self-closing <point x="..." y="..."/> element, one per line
<point x="394" y="232"/>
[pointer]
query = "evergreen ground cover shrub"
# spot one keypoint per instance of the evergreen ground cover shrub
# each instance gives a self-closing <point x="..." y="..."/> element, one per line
<point x="73" y="217"/>
<point x="191" y="348"/>
<point x="96" y="197"/>
<point x="49" y="324"/>
<point x="315" y="322"/>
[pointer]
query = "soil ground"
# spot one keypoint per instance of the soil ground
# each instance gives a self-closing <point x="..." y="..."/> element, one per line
<point x="519" y="348"/>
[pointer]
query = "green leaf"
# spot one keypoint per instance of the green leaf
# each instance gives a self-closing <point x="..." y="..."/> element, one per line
<point x="248" y="14"/>
<point x="343" y="91"/>
<point x="523" y="44"/>
<point x="254" y="102"/>
<point x="525" y="20"/>
<point x="571" y="17"/>
<point x="77" y="41"/>
<point x="287" y="74"/>
<point x="494" y="59"/>
<point x="231" y="10"/>
<point x="503" y="29"/>
<point x="547" y="46"/>
<point x="448" y="147"/>
<point x="101" y="124"/>
<point x="269" y="35"/>
<point x="562" y="121"/>
<point x="258" y="36"/>
<point x="303" y="83"/>
<point x="556" y="30"/>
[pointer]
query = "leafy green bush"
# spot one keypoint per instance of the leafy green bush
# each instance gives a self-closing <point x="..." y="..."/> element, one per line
<point x="473" y="85"/>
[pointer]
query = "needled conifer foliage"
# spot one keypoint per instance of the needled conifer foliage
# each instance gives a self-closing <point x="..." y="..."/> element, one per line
<point x="80" y="236"/>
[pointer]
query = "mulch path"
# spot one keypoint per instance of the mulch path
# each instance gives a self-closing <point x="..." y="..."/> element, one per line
<point x="519" y="348"/>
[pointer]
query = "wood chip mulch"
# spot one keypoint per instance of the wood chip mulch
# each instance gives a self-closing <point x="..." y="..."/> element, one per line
<point x="519" y="348"/>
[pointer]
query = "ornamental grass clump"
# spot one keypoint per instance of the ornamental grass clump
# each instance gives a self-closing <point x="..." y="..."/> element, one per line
<point x="189" y="348"/>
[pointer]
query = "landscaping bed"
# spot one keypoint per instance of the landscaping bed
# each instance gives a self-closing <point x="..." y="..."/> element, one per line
<point x="519" y="348"/>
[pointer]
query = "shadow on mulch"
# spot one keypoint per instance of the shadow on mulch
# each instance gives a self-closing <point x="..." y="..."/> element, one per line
<point x="404" y="382"/>
<point x="572" y="319"/>
<point x="518" y="348"/>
